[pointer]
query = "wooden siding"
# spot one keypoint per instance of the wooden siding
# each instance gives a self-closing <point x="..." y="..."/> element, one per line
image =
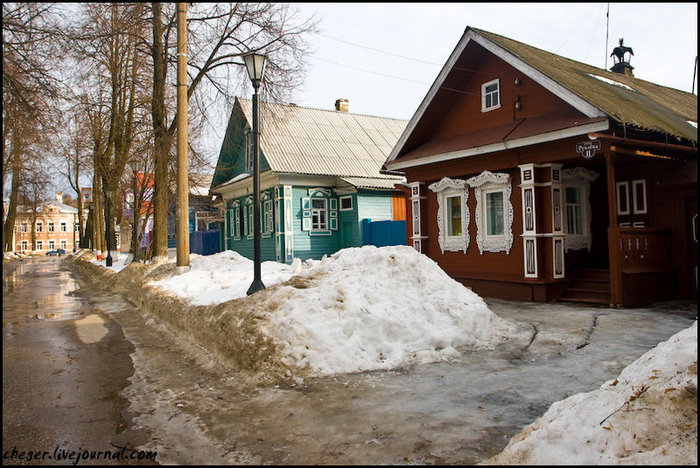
<point x="464" y="113"/>
<point x="232" y="156"/>
<point x="310" y="246"/>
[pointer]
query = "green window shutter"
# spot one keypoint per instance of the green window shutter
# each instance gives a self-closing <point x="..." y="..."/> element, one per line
<point x="333" y="214"/>
<point x="306" y="214"/>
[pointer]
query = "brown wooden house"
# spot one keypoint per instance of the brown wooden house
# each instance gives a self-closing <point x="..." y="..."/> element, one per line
<point x="535" y="177"/>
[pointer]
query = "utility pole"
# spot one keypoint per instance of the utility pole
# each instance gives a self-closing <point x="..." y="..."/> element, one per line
<point x="183" y="232"/>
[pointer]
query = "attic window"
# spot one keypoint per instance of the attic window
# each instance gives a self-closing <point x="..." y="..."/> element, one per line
<point x="611" y="82"/>
<point x="490" y="95"/>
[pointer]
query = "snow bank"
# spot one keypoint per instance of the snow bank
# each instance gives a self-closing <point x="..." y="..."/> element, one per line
<point x="361" y="309"/>
<point x="221" y="277"/>
<point x="377" y="308"/>
<point x="648" y="415"/>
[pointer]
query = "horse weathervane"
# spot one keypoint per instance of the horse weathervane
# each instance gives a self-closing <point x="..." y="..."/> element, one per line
<point x="620" y="52"/>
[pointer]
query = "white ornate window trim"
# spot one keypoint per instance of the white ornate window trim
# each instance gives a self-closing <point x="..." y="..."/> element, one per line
<point x="579" y="177"/>
<point x="483" y="184"/>
<point x="448" y="188"/>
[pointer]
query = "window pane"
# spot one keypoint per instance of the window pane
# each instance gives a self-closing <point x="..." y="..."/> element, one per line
<point x="494" y="214"/>
<point x="319" y="203"/>
<point x="454" y="216"/>
<point x="573" y="195"/>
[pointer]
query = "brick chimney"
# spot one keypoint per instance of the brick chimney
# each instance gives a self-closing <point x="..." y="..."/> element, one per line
<point x="59" y="197"/>
<point x="341" y="105"/>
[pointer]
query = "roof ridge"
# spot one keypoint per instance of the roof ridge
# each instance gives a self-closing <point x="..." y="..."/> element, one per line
<point x="292" y="105"/>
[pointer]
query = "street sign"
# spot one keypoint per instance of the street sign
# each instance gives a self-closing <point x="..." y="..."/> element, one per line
<point x="588" y="148"/>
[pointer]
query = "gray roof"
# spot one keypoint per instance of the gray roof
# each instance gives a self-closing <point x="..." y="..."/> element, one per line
<point x="302" y="140"/>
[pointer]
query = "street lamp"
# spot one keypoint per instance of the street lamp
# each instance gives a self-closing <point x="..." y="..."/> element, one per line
<point x="255" y="63"/>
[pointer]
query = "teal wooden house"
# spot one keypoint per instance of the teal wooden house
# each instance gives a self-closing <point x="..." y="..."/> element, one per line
<point x="320" y="180"/>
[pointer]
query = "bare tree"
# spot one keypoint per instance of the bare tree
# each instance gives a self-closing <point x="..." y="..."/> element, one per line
<point x="219" y="34"/>
<point x="31" y="50"/>
<point x="75" y="158"/>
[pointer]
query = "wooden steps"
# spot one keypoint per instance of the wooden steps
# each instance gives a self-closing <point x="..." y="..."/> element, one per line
<point x="590" y="285"/>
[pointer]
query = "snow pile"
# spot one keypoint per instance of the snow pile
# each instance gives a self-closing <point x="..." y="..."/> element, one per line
<point x="221" y="277"/>
<point x="648" y="415"/>
<point x="377" y="308"/>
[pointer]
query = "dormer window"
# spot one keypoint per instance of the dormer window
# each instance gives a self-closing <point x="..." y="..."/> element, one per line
<point x="490" y="95"/>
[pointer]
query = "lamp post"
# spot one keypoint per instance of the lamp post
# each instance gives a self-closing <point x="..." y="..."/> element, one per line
<point x="255" y="63"/>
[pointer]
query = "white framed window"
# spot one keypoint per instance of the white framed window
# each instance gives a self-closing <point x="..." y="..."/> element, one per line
<point x="63" y="227"/>
<point x="577" y="208"/>
<point x="39" y="245"/>
<point x="346" y="203"/>
<point x="267" y="217"/>
<point x="639" y="196"/>
<point x="63" y="244"/>
<point x="39" y="226"/>
<point x="51" y="245"/>
<point x="494" y="211"/>
<point x="452" y="214"/>
<point x="319" y="214"/>
<point x="23" y="227"/>
<point x="573" y="203"/>
<point x="623" y="198"/>
<point x="51" y="227"/>
<point x="24" y="246"/>
<point x="490" y="95"/>
<point x="237" y="222"/>
<point x="249" y="207"/>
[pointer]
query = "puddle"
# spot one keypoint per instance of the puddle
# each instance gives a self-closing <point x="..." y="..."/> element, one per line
<point x="91" y="329"/>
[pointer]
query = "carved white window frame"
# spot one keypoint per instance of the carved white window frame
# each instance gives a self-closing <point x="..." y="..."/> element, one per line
<point x="579" y="177"/>
<point x="483" y="184"/>
<point x="444" y="189"/>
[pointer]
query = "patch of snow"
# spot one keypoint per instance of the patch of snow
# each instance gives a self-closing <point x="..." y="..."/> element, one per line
<point x="648" y="415"/>
<point x="221" y="277"/>
<point x="611" y="82"/>
<point x="694" y="124"/>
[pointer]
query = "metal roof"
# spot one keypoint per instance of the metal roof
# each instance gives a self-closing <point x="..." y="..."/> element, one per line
<point x="303" y="140"/>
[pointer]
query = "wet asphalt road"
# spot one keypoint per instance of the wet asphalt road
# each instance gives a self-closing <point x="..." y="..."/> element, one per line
<point x="65" y="363"/>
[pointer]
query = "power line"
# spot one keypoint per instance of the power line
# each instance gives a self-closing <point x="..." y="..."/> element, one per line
<point x="379" y="50"/>
<point x="369" y="71"/>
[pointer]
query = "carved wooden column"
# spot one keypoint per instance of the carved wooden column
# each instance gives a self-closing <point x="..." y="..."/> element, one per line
<point x="527" y="188"/>
<point x="417" y="197"/>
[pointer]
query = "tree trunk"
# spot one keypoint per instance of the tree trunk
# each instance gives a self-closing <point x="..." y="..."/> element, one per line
<point x="160" y="150"/>
<point x="9" y="226"/>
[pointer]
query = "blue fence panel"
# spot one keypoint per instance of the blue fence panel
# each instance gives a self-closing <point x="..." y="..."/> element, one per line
<point x="383" y="233"/>
<point x="204" y="242"/>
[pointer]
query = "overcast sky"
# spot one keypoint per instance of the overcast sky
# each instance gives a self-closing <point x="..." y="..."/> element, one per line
<point x="360" y="48"/>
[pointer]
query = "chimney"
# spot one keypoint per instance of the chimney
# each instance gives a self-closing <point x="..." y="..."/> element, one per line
<point x="622" y="66"/>
<point x="341" y="105"/>
<point x="59" y="197"/>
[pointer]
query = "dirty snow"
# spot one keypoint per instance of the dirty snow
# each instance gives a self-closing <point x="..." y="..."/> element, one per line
<point x="648" y="416"/>
<point x="361" y="309"/>
<point x="379" y="308"/>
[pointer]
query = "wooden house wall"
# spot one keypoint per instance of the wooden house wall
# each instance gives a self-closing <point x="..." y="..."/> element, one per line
<point x="464" y="114"/>
<point x="310" y="246"/>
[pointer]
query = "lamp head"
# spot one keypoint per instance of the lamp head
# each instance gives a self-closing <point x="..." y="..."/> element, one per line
<point x="255" y="64"/>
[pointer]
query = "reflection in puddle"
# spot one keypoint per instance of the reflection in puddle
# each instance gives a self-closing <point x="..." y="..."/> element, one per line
<point x="91" y="329"/>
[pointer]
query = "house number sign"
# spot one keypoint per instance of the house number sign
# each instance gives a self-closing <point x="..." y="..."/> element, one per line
<point x="588" y="148"/>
